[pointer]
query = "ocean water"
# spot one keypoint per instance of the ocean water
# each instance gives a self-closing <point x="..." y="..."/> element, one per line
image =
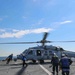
<point x="2" y="58"/>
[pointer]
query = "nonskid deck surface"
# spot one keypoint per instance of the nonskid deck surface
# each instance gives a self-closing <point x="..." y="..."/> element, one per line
<point x="15" y="68"/>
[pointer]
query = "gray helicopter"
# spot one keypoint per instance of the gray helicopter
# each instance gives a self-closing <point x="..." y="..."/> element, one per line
<point x="43" y="52"/>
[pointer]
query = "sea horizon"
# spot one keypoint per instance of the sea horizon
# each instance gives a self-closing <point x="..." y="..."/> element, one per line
<point x="4" y="57"/>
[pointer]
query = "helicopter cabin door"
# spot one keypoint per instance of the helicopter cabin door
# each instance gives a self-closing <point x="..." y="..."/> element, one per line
<point x="38" y="52"/>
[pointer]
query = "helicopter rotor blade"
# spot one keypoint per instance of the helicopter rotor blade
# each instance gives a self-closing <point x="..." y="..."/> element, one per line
<point x="43" y="42"/>
<point x="45" y="36"/>
<point x="18" y="43"/>
<point x="60" y="41"/>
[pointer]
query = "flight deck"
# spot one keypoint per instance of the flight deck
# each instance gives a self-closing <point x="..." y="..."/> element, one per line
<point x="15" y="68"/>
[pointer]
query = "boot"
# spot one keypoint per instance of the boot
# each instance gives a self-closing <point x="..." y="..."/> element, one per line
<point x="53" y="73"/>
<point x="56" y="73"/>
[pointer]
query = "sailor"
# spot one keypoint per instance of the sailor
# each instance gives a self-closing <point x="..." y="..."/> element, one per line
<point x="65" y="63"/>
<point x="9" y="58"/>
<point x="24" y="60"/>
<point x="55" y="63"/>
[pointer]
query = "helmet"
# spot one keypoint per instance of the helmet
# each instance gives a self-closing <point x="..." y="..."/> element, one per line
<point x="54" y="54"/>
<point x="63" y="55"/>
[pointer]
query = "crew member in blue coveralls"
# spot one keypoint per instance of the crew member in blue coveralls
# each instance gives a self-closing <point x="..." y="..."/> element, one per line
<point x="55" y="63"/>
<point x="9" y="58"/>
<point x="24" y="60"/>
<point x="65" y="63"/>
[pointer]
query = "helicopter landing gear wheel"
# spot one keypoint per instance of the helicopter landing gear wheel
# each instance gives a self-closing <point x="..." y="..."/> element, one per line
<point x="34" y="61"/>
<point x="41" y="61"/>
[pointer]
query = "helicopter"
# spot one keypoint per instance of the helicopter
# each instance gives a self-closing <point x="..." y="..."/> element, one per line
<point x="43" y="52"/>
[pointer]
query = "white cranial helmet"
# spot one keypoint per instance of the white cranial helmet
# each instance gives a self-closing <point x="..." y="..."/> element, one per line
<point x="63" y="55"/>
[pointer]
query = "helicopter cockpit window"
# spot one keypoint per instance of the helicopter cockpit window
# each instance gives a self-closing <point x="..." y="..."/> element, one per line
<point x="38" y="53"/>
<point x="30" y="52"/>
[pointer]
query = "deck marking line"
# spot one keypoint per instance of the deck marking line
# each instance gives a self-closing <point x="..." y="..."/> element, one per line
<point x="49" y="73"/>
